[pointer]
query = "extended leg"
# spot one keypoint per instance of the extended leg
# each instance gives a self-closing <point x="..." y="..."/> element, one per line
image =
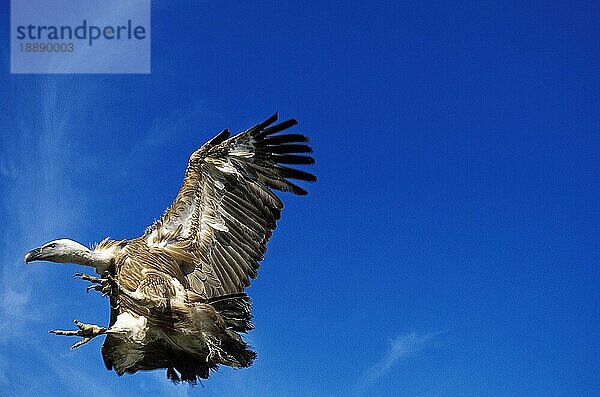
<point x="98" y="284"/>
<point x="86" y="331"/>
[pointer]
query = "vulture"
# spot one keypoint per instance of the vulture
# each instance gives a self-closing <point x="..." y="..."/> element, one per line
<point x="177" y="293"/>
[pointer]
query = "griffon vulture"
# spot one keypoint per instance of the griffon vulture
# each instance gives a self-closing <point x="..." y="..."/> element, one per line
<point x="177" y="293"/>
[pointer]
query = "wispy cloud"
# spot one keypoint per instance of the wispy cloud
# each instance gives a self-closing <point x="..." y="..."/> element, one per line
<point x="39" y="201"/>
<point x="31" y="178"/>
<point x="79" y="381"/>
<point x="400" y="347"/>
<point x="34" y="173"/>
<point x="14" y="314"/>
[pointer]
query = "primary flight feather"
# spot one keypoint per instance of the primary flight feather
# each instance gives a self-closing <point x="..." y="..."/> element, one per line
<point x="177" y="293"/>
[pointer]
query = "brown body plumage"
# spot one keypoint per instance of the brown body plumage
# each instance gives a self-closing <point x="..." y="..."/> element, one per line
<point x="177" y="292"/>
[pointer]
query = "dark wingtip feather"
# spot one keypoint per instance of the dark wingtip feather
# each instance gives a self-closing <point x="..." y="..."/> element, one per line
<point x="219" y="138"/>
<point x="292" y="159"/>
<point x="276" y="128"/>
<point x="299" y="191"/>
<point x="295" y="174"/>
<point x="254" y="130"/>
<point x="287" y="138"/>
<point x="288" y="186"/>
<point x="270" y="120"/>
<point x="289" y="148"/>
<point x="261" y="126"/>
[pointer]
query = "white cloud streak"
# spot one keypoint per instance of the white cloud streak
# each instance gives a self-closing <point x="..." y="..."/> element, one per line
<point x="39" y="202"/>
<point x="35" y="176"/>
<point x="401" y="347"/>
<point x="33" y="173"/>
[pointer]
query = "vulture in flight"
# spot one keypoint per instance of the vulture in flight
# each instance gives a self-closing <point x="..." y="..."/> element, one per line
<point x="177" y="293"/>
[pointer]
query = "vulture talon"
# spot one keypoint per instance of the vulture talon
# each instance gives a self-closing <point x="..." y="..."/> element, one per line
<point x="98" y="284"/>
<point x="91" y="279"/>
<point x="87" y="332"/>
<point x="95" y="287"/>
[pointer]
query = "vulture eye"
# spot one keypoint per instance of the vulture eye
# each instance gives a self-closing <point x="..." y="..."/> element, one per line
<point x="53" y="245"/>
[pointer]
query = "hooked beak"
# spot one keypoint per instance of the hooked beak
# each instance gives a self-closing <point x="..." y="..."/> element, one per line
<point x="33" y="255"/>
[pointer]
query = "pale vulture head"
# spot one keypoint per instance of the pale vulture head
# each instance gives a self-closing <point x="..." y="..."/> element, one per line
<point x="62" y="251"/>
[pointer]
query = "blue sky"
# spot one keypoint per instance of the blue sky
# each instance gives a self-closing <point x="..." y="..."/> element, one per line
<point x="449" y="248"/>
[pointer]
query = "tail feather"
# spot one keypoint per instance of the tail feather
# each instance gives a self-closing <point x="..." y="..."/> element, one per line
<point x="181" y="367"/>
<point x="236" y="311"/>
<point x="229" y="349"/>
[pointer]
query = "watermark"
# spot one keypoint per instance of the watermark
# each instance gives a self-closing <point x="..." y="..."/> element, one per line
<point x="80" y="36"/>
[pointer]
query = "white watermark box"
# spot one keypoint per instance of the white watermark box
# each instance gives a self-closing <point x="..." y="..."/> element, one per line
<point x="80" y="36"/>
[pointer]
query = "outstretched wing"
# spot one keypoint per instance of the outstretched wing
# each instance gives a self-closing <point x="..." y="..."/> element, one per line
<point x="224" y="214"/>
